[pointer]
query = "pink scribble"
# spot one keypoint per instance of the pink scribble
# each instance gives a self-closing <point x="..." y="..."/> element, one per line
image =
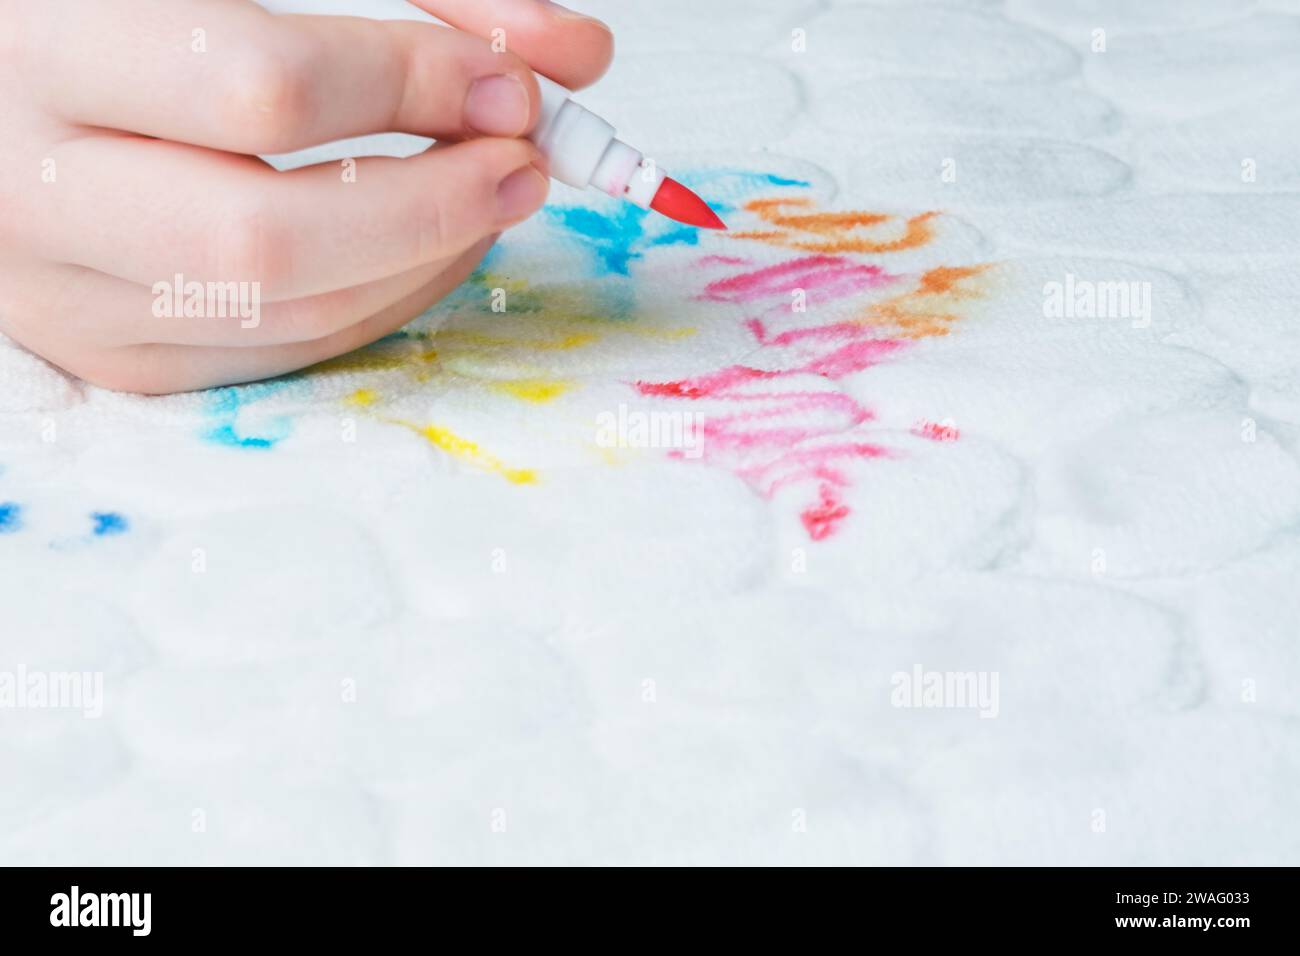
<point x="822" y="519"/>
<point x="791" y="426"/>
<point x="851" y="358"/>
<point x="816" y="463"/>
<point x="820" y="278"/>
<point x="936" y="431"/>
<point x="715" y="384"/>
<point x="834" y="331"/>
<point x="771" y="454"/>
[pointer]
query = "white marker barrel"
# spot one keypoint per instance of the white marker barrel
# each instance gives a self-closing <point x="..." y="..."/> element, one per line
<point x="583" y="150"/>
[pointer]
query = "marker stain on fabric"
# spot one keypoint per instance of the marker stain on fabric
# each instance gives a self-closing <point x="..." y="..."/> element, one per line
<point x="780" y="437"/>
<point x="853" y="357"/>
<point x="11" y="517"/>
<point x="447" y="441"/>
<point x="835" y="233"/>
<point x="821" y="520"/>
<point x="462" y="449"/>
<point x="619" y="238"/>
<point x="533" y="391"/>
<point x="930" y="309"/>
<point x="225" y="407"/>
<point x="936" y="431"/>
<point x="559" y="341"/>
<point x="108" y="523"/>
<point x="820" y="278"/>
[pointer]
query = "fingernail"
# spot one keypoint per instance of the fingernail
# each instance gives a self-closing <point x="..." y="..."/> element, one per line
<point x="521" y="194"/>
<point x="497" y="106"/>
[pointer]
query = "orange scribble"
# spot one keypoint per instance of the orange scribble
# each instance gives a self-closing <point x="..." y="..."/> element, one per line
<point x="928" y="309"/>
<point x="835" y="233"/>
<point x="945" y="279"/>
<point x="822" y="223"/>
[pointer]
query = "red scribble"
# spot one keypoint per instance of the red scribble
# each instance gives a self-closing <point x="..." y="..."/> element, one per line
<point x="823" y="518"/>
<point x="706" y="386"/>
<point x="936" y="431"/>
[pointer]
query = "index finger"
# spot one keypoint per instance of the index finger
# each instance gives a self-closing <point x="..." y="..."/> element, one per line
<point x="245" y="81"/>
<point x="572" y="49"/>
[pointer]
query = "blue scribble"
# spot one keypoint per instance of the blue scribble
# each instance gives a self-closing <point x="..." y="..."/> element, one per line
<point x="748" y="178"/>
<point x="108" y="523"/>
<point x="618" y="237"/>
<point x="619" y="233"/>
<point x="224" y="408"/>
<point x="11" y="517"/>
<point x="227" y="435"/>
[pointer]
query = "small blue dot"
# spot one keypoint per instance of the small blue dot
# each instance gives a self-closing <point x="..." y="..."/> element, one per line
<point x="11" y="517"/>
<point x="108" y="522"/>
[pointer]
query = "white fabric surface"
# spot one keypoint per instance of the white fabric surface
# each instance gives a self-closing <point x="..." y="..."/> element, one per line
<point x="565" y="653"/>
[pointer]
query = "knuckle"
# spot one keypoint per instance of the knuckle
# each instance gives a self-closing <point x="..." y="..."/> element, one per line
<point x="248" y="247"/>
<point x="514" y="64"/>
<point x="269" y="99"/>
<point x="427" y="228"/>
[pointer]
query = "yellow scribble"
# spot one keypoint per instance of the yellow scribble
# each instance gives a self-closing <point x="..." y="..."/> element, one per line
<point x="469" y="452"/>
<point x="495" y="280"/>
<point x="534" y="390"/>
<point x="362" y="398"/>
<point x="667" y="335"/>
<point x="382" y="357"/>
<point x="479" y="340"/>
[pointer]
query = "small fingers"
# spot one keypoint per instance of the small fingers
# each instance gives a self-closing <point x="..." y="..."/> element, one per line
<point x="214" y="217"/>
<point x="572" y="49"/>
<point x="230" y="76"/>
<point x="111" y="312"/>
<point x="160" y="369"/>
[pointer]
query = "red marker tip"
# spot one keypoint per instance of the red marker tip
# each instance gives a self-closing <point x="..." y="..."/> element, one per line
<point x="677" y="202"/>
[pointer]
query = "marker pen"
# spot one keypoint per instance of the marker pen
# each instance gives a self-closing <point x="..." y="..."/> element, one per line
<point x="584" y="150"/>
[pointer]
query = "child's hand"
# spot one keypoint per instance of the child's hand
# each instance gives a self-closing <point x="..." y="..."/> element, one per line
<point x="128" y="135"/>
